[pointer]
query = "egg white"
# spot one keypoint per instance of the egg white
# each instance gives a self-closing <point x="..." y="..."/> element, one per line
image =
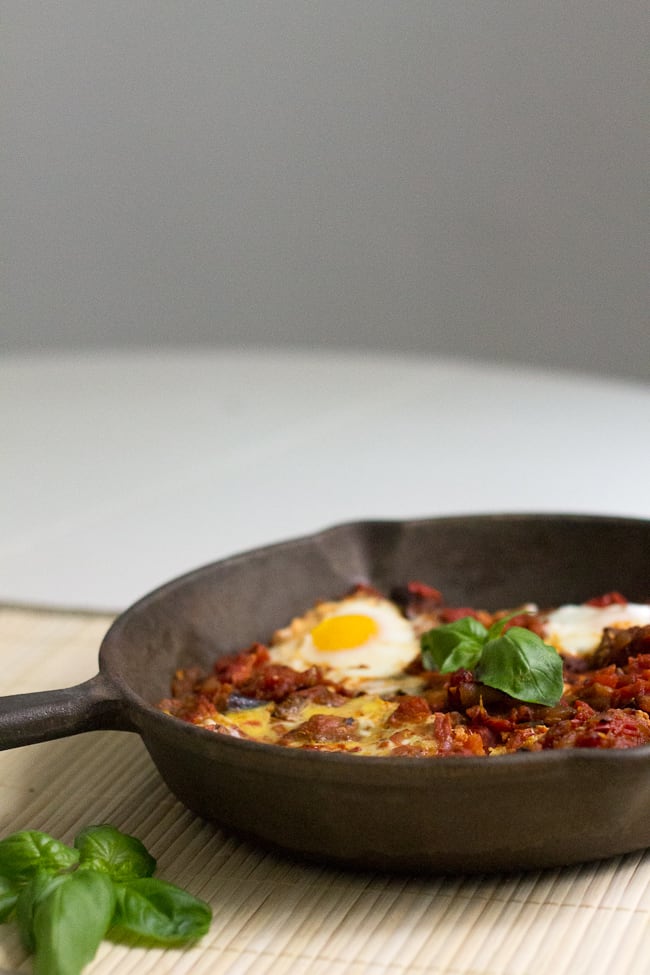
<point x="578" y="629"/>
<point x="383" y="654"/>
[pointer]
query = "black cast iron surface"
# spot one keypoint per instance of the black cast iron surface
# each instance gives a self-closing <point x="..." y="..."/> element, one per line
<point x="435" y="815"/>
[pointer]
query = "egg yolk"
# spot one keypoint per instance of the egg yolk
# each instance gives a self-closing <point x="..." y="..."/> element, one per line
<point x="343" y="632"/>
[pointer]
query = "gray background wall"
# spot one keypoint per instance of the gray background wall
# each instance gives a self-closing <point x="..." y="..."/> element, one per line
<point x="446" y="177"/>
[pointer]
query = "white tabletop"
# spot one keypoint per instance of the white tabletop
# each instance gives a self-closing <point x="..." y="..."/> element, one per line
<point x="120" y="471"/>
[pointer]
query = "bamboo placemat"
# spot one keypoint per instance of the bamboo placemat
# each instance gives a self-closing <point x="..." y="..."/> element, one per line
<point x="272" y="915"/>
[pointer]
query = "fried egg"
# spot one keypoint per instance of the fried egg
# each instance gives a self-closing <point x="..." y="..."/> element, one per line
<point x="578" y="629"/>
<point x="355" y="640"/>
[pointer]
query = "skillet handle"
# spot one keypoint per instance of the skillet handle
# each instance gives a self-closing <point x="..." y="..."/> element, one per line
<point x="44" y="715"/>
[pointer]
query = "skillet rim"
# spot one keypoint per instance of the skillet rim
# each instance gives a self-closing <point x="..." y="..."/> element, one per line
<point x="450" y="766"/>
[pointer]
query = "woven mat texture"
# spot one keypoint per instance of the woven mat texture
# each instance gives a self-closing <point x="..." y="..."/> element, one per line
<point x="273" y="915"/>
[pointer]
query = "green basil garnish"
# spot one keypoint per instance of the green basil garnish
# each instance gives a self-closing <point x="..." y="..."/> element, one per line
<point x="66" y="900"/>
<point x="517" y="662"/>
<point x="520" y="664"/>
<point x="453" y="645"/>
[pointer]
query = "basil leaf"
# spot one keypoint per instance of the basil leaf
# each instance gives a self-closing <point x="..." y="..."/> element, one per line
<point x="520" y="664"/>
<point x="69" y="922"/>
<point x="451" y="646"/>
<point x="121" y="856"/>
<point x="8" y="896"/>
<point x="465" y="655"/>
<point x="160" y="911"/>
<point x="38" y="887"/>
<point x="497" y="627"/>
<point x="21" y="854"/>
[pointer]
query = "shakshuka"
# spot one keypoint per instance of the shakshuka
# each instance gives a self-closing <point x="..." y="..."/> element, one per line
<point x="352" y="676"/>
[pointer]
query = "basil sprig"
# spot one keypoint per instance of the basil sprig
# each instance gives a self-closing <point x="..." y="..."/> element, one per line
<point x="65" y="900"/>
<point x="517" y="662"/>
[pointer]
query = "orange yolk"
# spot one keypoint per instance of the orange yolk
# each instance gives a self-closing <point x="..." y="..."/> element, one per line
<point x="343" y="632"/>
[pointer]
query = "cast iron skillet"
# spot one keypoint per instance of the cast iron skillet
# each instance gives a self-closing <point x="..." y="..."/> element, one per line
<point x="436" y="815"/>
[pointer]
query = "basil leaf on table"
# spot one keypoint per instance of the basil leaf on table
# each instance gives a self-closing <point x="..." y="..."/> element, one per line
<point x="9" y="891"/>
<point x="23" y="853"/>
<point x="69" y="922"/>
<point x="520" y="664"/>
<point x="453" y="645"/>
<point x="66" y="900"/>
<point x="160" y="911"/>
<point x="39" y="887"/>
<point x="121" y="856"/>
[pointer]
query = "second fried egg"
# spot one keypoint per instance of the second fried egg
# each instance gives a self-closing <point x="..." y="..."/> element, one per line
<point x="578" y="629"/>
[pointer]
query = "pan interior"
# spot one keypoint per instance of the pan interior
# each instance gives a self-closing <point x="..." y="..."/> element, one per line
<point x="484" y="561"/>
